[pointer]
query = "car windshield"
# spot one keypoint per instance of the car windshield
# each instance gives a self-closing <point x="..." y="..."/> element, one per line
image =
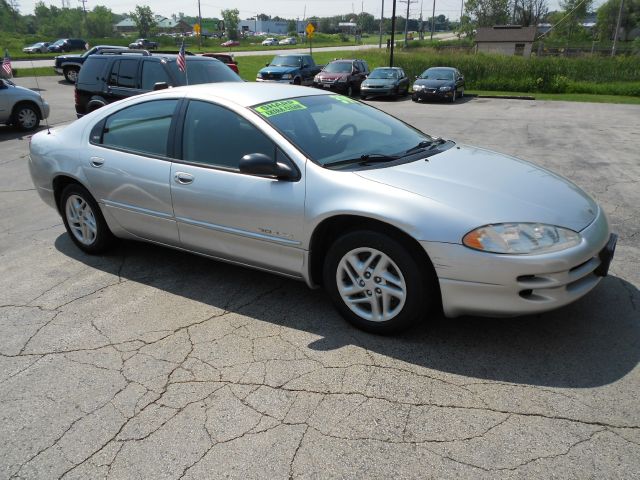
<point x="204" y="72"/>
<point x="332" y="129"/>
<point x="39" y="44"/>
<point x="59" y="42"/>
<point x="338" y="67"/>
<point x="287" y="61"/>
<point x="384" y="73"/>
<point x="437" y="74"/>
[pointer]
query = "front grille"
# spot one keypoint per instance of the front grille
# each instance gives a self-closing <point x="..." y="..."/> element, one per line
<point x="271" y="76"/>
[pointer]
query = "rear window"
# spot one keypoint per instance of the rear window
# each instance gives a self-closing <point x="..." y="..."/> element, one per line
<point x="202" y="71"/>
<point x="91" y="71"/>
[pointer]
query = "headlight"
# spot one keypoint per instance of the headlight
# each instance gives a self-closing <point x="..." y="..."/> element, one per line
<point x="286" y="76"/>
<point x="521" y="238"/>
<point x="316" y="78"/>
<point x="445" y="89"/>
<point x="259" y="75"/>
<point x="417" y="88"/>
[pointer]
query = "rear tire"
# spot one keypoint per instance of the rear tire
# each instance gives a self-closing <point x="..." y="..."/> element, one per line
<point x="375" y="282"/>
<point x="84" y="221"/>
<point x="71" y="75"/>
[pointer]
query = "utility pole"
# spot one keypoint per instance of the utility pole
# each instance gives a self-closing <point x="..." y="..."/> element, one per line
<point x="84" y="7"/>
<point x="393" y="32"/>
<point x="199" y="23"/>
<point x="615" y="34"/>
<point x="406" y="24"/>
<point x="433" y="19"/>
<point x="461" y="10"/>
<point x="381" y="22"/>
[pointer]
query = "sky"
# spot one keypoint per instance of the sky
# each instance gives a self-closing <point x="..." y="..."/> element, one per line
<point x="282" y="8"/>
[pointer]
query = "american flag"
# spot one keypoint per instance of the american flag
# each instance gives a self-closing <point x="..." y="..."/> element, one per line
<point x="6" y="63"/>
<point x="181" y="61"/>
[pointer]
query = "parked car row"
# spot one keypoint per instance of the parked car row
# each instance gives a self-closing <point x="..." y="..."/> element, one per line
<point x="62" y="45"/>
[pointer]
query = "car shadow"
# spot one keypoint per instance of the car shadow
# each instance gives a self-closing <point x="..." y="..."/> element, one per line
<point x="593" y="342"/>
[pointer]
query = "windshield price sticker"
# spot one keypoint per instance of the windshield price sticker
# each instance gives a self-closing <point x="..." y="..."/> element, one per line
<point x="343" y="99"/>
<point x="276" y="108"/>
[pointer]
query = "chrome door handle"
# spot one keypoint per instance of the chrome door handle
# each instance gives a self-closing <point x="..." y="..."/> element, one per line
<point x="96" y="162"/>
<point x="183" y="178"/>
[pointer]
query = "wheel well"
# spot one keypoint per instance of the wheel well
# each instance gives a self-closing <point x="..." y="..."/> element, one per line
<point x="59" y="184"/>
<point x="330" y="229"/>
<point x="29" y="103"/>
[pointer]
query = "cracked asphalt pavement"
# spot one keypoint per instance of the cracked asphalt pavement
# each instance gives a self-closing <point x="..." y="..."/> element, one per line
<point x="152" y="363"/>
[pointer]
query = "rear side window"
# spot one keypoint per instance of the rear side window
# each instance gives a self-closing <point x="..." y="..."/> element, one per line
<point x="152" y="73"/>
<point x="123" y="73"/>
<point x="203" y="71"/>
<point x="91" y="71"/>
<point x="142" y="128"/>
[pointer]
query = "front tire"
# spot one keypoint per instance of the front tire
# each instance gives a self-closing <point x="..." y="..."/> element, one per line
<point x="26" y="117"/>
<point x="375" y="282"/>
<point x="84" y="221"/>
<point x="350" y="91"/>
<point x="453" y="97"/>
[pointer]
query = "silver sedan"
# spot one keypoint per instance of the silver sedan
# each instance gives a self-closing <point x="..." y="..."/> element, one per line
<point x="315" y="186"/>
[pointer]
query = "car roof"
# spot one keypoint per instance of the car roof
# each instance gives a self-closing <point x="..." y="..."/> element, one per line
<point x="243" y="94"/>
<point x="387" y="68"/>
<point x="441" y="68"/>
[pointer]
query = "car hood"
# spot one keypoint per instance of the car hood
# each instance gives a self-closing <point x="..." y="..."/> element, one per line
<point x="379" y="82"/>
<point x="275" y="69"/>
<point x="433" y="83"/>
<point x="23" y="92"/>
<point x="332" y="76"/>
<point x="486" y="187"/>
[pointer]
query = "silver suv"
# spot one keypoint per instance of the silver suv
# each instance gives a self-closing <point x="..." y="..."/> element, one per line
<point x="20" y="106"/>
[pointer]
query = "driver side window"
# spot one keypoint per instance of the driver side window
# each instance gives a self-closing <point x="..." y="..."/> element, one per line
<point x="216" y="136"/>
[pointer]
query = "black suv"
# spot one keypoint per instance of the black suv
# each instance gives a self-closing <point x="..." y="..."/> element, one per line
<point x="68" y="44"/>
<point x="69" y="65"/>
<point x="342" y="75"/>
<point x="114" y="75"/>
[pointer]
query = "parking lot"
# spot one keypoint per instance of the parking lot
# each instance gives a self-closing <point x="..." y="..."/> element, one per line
<point x="152" y="363"/>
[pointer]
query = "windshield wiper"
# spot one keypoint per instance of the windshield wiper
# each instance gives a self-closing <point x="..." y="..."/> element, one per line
<point x="366" y="159"/>
<point x="426" y="144"/>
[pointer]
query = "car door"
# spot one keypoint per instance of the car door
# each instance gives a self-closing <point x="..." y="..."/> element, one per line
<point x="228" y="214"/>
<point x="127" y="165"/>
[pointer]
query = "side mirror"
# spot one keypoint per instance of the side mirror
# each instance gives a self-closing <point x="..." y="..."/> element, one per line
<point x="417" y="77"/>
<point x="160" y="86"/>
<point x="306" y="65"/>
<point x="265" y="166"/>
<point x="266" y="64"/>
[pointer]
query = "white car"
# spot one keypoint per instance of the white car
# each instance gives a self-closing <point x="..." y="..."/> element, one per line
<point x="20" y="106"/>
<point x="267" y="42"/>
<point x="288" y="41"/>
<point x="40" y="47"/>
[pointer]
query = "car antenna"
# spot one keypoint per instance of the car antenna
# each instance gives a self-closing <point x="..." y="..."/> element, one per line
<point x="35" y="75"/>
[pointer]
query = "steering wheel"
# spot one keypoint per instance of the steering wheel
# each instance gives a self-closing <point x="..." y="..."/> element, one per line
<point x="342" y="129"/>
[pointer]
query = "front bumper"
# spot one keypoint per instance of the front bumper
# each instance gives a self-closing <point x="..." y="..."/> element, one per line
<point x="58" y="70"/>
<point x="288" y="81"/>
<point x="429" y="94"/>
<point x="333" y="86"/>
<point x="377" y="92"/>
<point x="486" y="284"/>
